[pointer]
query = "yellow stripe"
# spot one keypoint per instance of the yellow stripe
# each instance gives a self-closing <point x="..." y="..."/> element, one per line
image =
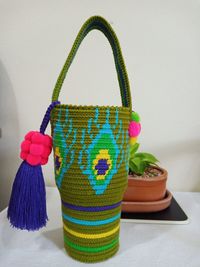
<point x="91" y="236"/>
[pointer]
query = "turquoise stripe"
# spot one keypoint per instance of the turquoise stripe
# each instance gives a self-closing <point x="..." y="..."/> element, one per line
<point x="97" y="222"/>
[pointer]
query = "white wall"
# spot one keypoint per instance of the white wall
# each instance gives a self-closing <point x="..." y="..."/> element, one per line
<point x="160" y="41"/>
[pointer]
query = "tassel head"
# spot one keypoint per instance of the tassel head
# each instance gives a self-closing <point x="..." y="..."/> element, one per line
<point x="36" y="148"/>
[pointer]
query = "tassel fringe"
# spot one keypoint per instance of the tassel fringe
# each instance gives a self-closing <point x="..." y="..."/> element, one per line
<point x="27" y="207"/>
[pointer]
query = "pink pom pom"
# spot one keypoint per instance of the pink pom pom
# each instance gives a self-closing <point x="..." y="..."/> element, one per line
<point x="47" y="141"/>
<point x="44" y="161"/>
<point x="37" y="138"/>
<point x="23" y="155"/>
<point x="36" y="148"/>
<point x="33" y="160"/>
<point x="25" y="145"/>
<point x="29" y="135"/>
<point x="134" y="129"/>
<point x="46" y="152"/>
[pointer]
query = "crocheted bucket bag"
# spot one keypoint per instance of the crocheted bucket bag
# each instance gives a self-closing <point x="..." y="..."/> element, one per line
<point x="91" y="152"/>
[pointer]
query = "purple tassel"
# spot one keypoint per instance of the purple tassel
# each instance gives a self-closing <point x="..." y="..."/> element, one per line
<point x="27" y="206"/>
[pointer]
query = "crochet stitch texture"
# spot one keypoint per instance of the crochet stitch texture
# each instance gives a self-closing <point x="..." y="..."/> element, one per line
<point x="91" y="150"/>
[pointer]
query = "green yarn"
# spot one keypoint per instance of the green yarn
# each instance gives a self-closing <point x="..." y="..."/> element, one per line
<point x="91" y="242"/>
<point x="90" y="249"/>
<point x="135" y="116"/>
<point x="91" y="151"/>
<point x="99" y="23"/>
<point x="95" y="257"/>
<point x="76" y="182"/>
<point x="91" y="216"/>
<point x="95" y="229"/>
<point x="76" y="188"/>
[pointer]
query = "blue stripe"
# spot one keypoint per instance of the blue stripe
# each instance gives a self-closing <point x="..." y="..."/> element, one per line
<point x="97" y="222"/>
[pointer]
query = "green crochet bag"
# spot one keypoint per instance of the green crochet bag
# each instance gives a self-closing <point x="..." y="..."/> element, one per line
<point x="91" y="151"/>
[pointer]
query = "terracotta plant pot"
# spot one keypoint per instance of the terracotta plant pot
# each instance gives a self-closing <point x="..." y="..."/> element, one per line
<point x="146" y="189"/>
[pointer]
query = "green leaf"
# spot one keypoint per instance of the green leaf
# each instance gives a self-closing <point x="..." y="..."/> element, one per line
<point x="137" y="165"/>
<point x="133" y="149"/>
<point x="141" y="167"/>
<point x="133" y="167"/>
<point x="147" y="157"/>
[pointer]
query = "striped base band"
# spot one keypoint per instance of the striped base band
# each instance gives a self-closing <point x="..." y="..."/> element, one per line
<point x="92" y="257"/>
<point x="91" y="208"/>
<point x="91" y="249"/>
<point x="91" y="236"/>
<point x="92" y="222"/>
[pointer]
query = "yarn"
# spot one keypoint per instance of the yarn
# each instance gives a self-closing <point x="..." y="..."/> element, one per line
<point x="91" y="151"/>
<point x="36" y="148"/>
<point x="135" y="116"/>
<point x="134" y="129"/>
<point x="133" y="141"/>
<point x="27" y="205"/>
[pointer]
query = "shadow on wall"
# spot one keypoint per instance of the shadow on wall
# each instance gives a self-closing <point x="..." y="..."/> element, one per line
<point x="9" y="139"/>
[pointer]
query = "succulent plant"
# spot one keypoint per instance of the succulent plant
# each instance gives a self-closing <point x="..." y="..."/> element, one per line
<point x="139" y="162"/>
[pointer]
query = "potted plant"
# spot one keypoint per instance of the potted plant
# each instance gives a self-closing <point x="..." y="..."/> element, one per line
<point x="146" y="180"/>
<point x="146" y="190"/>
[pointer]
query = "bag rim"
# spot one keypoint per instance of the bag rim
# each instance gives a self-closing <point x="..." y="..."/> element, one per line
<point x="85" y="107"/>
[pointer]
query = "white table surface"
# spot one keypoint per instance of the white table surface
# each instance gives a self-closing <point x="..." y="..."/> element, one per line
<point x="142" y="245"/>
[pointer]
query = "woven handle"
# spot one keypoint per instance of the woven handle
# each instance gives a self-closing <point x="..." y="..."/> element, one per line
<point x="101" y="24"/>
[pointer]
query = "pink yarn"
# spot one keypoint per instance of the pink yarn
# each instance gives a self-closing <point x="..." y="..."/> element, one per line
<point x="36" y="148"/>
<point x="134" y="129"/>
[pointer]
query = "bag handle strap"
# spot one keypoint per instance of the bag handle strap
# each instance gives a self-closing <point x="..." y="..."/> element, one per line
<point x="102" y="25"/>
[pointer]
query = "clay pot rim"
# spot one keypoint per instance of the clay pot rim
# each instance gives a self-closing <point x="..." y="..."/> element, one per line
<point x="129" y="206"/>
<point x="163" y="176"/>
<point x="168" y="195"/>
